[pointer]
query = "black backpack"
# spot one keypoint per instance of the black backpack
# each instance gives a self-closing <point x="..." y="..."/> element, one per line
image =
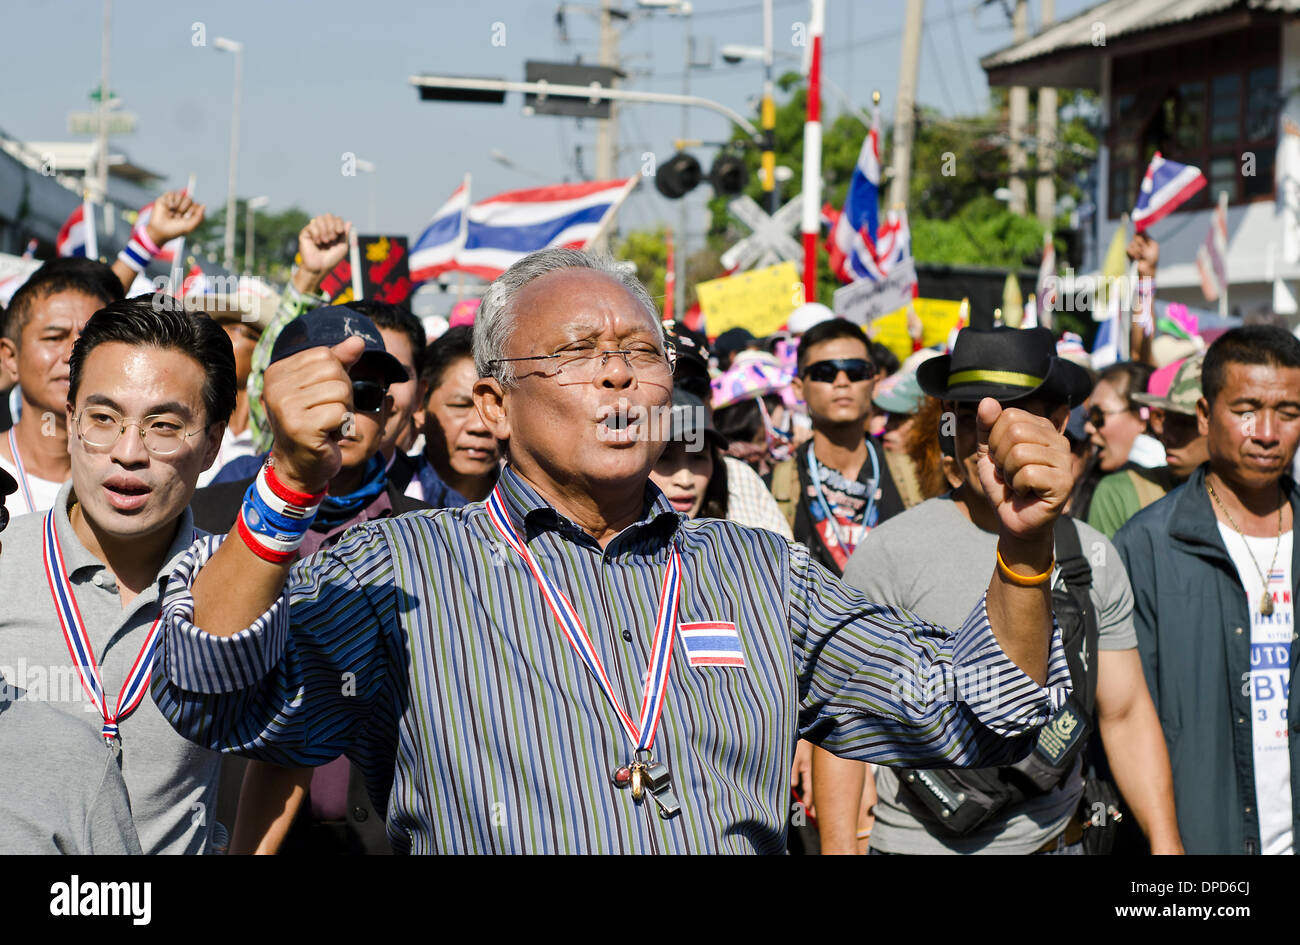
<point x="962" y="799"/>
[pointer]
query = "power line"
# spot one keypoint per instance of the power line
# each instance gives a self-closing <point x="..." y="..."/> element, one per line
<point x="961" y="48"/>
<point x="938" y="70"/>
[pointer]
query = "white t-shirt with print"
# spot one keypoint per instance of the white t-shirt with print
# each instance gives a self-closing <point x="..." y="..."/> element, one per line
<point x="1270" y="679"/>
<point x="43" y="492"/>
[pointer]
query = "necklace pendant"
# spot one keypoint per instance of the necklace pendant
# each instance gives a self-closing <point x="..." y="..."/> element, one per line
<point x="1266" y="604"/>
<point x="621" y="776"/>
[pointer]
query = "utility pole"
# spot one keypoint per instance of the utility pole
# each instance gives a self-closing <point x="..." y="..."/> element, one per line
<point x="230" y="45"/>
<point x="904" y="117"/>
<point x="101" y="170"/>
<point x="1045" y="183"/>
<point x="1016" y="159"/>
<point x="607" y="128"/>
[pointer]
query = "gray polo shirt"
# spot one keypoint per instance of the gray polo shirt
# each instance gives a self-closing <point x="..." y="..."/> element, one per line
<point x="63" y="804"/>
<point x="172" y="782"/>
<point x="935" y="562"/>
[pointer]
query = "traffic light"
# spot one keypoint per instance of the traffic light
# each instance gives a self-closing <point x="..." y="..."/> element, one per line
<point x="678" y="176"/>
<point x="729" y="175"/>
<point x="681" y="174"/>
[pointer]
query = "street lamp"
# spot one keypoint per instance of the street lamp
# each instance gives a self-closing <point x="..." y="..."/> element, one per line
<point x="229" y="45"/>
<point x="506" y="161"/>
<point x="253" y="203"/>
<point x="369" y="168"/>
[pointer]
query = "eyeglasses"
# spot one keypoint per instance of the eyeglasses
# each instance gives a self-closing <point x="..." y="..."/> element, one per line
<point x="825" y="372"/>
<point x="163" y="434"/>
<point x="582" y="364"/>
<point x="368" y="396"/>
<point x="1097" y="417"/>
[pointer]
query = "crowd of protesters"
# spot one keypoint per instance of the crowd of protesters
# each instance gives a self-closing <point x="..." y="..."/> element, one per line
<point x="862" y="495"/>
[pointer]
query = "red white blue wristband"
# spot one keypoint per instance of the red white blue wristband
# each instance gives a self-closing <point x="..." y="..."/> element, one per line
<point x="274" y="519"/>
<point x="139" y="250"/>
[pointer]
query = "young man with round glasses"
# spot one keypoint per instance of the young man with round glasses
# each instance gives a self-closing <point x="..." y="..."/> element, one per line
<point x="837" y="486"/>
<point x="149" y="394"/>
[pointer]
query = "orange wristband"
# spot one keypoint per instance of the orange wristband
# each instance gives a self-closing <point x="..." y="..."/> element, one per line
<point x="1021" y="580"/>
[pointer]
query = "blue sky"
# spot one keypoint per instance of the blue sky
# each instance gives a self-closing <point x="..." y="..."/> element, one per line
<point x="325" y="78"/>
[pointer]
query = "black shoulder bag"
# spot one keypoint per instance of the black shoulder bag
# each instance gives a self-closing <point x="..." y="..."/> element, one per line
<point x="962" y="799"/>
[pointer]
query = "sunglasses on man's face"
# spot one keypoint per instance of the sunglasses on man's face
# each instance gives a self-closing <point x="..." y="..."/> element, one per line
<point x="368" y="396"/>
<point x="825" y="372"/>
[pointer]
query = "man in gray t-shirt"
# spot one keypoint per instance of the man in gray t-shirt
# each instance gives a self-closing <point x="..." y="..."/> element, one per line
<point x="930" y="559"/>
<point x="60" y="805"/>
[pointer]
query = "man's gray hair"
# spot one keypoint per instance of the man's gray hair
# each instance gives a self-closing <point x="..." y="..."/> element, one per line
<point x="495" y="321"/>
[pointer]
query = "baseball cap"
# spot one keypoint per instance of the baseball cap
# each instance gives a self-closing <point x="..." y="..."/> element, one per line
<point x="331" y="325"/>
<point x="1184" y="389"/>
<point x="898" y="393"/>
<point x="806" y="316"/>
<point x="253" y="303"/>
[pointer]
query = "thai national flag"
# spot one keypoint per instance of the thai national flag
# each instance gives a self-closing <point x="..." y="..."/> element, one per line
<point x="712" y="643"/>
<point x="503" y="229"/>
<point x="1105" y="346"/>
<point x="77" y="235"/>
<point x="1166" y="185"/>
<point x="855" y="229"/>
<point x="435" y="250"/>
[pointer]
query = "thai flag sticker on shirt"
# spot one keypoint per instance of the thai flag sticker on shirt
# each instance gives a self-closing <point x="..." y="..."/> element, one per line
<point x="712" y="643"/>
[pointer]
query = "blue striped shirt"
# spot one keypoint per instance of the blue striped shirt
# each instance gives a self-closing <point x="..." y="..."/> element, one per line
<point x="422" y="648"/>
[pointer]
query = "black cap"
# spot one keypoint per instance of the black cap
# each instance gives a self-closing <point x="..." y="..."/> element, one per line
<point x="1007" y="364"/>
<point x="733" y="340"/>
<point x="334" y="324"/>
<point x="690" y="417"/>
<point x="692" y="371"/>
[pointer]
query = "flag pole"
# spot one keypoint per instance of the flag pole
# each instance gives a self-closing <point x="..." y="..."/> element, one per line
<point x="354" y="260"/>
<point x="607" y="221"/>
<point x="1223" y="294"/>
<point x="812" y="151"/>
<point x="175" y="278"/>
<point x="88" y="220"/>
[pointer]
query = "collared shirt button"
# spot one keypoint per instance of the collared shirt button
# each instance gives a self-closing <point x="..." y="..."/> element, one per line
<point x="98" y="580"/>
<point x="1241" y="720"/>
<point x="1238" y="631"/>
<point x="360" y="814"/>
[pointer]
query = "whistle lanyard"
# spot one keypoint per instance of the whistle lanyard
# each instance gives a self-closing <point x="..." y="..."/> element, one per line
<point x="79" y="647"/>
<point x="640" y="733"/>
<point x="872" y="485"/>
<point x="22" y="471"/>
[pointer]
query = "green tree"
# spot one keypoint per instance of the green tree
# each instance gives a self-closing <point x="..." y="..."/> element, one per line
<point x="275" y="239"/>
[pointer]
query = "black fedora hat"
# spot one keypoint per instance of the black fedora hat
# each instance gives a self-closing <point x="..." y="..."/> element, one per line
<point x="1006" y="364"/>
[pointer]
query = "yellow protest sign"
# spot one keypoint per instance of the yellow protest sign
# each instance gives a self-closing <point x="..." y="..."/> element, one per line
<point x="938" y="316"/>
<point x="760" y="301"/>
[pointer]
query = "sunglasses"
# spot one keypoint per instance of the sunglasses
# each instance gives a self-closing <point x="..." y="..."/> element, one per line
<point x="825" y="372"/>
<point x="1097" y="417"/>
<point x="368" y="396"/>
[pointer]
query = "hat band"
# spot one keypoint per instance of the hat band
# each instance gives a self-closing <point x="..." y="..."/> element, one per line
<point x="1011" y="378"/>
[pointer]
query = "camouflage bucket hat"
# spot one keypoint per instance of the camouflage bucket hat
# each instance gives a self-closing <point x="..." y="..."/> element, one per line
<point x="1184" y="390"/>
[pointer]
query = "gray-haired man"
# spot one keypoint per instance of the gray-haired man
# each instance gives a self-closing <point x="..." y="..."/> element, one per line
<point x="546" y="670"/>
